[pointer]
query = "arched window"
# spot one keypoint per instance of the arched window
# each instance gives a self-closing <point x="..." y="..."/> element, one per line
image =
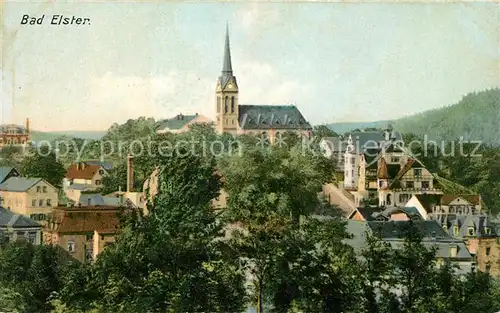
<point x="388" y="199"/>
<point x="226" y="104"/>
<point x="232" y="104"/>
<point x="218" y="104"/>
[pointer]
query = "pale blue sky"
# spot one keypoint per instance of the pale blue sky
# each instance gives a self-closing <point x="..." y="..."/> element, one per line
<point x="336" y="62"/>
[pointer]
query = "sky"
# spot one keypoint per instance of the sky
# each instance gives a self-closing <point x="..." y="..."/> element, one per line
<point x="337" y="62"/>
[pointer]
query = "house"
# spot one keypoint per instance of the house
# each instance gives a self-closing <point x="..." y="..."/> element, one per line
<point x="7" y="172"/>
<point x="334" y="148"/>
<point x="15" y="135"/>
<point x="438" y="204"/>
<point x="385" y="214"/>
<point x="181" y="123"/>
<point x="480" y="235"/>
<point x="447" y="248"/>
<point x="33" y="197"/>
<point x="87" y="174"/>
<point x="16" y="226"/>
<point x="268" y="121"/>
<point x="82" y="232"/>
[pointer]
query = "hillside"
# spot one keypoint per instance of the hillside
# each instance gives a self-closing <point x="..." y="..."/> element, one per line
<point x="475" y="117"/>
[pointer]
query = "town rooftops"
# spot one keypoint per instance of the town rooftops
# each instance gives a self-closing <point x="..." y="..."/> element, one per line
<point x="82" y="170"/>
<point x="19" y="184"/>
<point x="106" y="165"/>
<point x="6" y="171"/>
<point x="85" y="220"/>
<point x="17" y="129"/>
<point x="9" y="219"/>
<point x="271" y="116"/>
<point x="393" y="232"/>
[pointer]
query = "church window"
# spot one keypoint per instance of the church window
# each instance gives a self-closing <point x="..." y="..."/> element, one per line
<point x="226" y="104"/>
<point x="232" y="104"/>
<point x="218" y="104"/>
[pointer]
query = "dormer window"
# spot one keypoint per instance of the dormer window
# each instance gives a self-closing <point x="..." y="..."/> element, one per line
<point x="470" y="231"/>
<point x="453" y="251"/>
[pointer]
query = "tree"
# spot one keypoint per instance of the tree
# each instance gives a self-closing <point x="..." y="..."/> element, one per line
<point x="42" y="163"/>
<point x="322" y="131"/>
<point x="269" y="190"/>
<point x="171" y="259"/>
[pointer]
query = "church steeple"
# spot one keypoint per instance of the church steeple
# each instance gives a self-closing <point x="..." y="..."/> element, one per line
<point x="227" y="94"/>
<point x="227" y="68"/>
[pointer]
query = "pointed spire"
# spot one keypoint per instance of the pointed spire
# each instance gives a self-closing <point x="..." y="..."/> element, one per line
<point x="227" y="68"/>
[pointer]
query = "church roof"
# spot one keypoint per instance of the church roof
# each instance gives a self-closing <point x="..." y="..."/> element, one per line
<point x="271" y="116"/>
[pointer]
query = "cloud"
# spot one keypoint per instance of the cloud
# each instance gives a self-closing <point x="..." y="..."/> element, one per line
<point x="257" y="14"/>
<point x="261" y="83"/>
<point x="159" y="96"/>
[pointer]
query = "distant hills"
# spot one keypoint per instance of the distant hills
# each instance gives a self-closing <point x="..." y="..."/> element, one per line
<point x="475" y="117"/>
<point x="38" y="136"/>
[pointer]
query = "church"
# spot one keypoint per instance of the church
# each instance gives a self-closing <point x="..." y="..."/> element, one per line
<point x="260" y="120"/>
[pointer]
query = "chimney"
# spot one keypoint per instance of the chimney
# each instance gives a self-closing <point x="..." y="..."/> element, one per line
<point x="130" y="173"/>
<point x="27" y="125"/>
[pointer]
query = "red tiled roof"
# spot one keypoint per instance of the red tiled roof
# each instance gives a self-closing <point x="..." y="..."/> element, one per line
<point x="75" y="220"/>
<point x="83" y="171"/>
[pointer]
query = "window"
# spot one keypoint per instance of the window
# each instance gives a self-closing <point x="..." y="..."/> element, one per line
<point x="394" y="160"/>
<point x="89" y="237"/>
<point x="40" y="202"/>
<point x="410" y="185"/>
<point x="417" y="171"/>
<point x="487" y="231"/>
<point x="352" y="173"/>
<point x="403" y="198"/>
<point x="38" y="189"/>
<point x="33" y="203"/>
<point x="470" y="231"/>
<point x="453" y="251"/>
<point x="98" y="182"/>
<point x="226" y="104"/>
<point x="44" y="189"/>
<point x="353" y="160"/>
<point x="49" y="202"/>
<point x="232" y="104"/>
<point x="71" y="246"/>
<point x="101" y="172"/>
<point x="455" y="230"/>
<point x="488" y="250"/>
<point x="488" y="268"/>
<point x="32" y="238"/>
<point x="425" y="184"/>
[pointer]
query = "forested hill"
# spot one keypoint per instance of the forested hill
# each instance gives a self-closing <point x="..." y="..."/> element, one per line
<point x="475" y="117"/>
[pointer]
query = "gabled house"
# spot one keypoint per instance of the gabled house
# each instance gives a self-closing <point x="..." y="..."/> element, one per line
<point x="33" y="197"/>
<point x="82" y="232"/>
<point x="7" y="172"/>
<point x="438" y="204"/>
<point x="16" y="226"/>
<point x="85" y="175"/>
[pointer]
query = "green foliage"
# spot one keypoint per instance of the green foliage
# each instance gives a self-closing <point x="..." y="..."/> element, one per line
<point x="29" y="275"/>
<point x="475" y="117"/>
<point x="42" y="163"/>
